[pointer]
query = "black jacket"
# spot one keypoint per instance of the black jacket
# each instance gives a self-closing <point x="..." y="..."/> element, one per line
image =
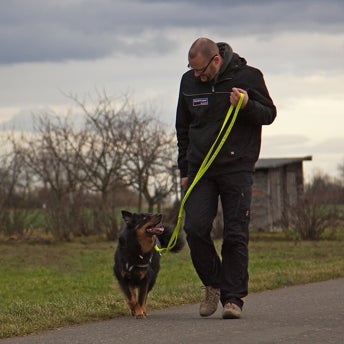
<point x="202" y="108"/>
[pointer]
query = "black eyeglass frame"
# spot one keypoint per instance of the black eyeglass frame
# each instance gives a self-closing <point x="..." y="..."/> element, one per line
<point x="202" y="70"/>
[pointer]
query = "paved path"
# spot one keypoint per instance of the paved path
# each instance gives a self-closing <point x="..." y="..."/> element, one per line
<point x="308" y="314"/>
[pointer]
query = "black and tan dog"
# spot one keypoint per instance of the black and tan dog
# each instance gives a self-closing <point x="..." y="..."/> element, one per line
<point x="137" y="262"/>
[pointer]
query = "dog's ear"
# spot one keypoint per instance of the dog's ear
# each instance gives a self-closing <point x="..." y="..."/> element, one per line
<point x="126" y="215"/>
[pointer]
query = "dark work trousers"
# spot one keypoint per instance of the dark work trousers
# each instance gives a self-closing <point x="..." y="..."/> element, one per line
<point x="230" y="272"/>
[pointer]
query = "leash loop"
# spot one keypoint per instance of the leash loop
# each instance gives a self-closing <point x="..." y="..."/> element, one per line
<point x="208" y="160"/>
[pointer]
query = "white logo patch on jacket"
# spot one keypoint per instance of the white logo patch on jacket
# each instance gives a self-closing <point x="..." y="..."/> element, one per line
<point x="200" y="101"/>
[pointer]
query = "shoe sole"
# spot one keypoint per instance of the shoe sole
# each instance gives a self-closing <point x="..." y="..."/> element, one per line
<point x="231" y="316"/>
<point x="206" y="315"/>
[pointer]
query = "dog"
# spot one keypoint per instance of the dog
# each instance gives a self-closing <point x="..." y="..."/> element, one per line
<point x="136" y="261"/>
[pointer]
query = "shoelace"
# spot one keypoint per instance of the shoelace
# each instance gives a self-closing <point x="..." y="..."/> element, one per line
<point x="211" y="294"/>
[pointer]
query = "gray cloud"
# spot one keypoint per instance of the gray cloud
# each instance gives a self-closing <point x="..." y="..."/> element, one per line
<point x="58" y="30"/>
<point x="326" y="154"/>
<point x="290" y="145"/>
<point x="333" y="145"/>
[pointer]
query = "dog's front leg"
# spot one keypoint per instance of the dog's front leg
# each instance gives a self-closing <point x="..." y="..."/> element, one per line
<point x="142" y="299"/>
<point x="132" y="300"/>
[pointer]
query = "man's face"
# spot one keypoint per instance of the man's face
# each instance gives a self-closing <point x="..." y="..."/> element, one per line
<point x="204" y="69"/>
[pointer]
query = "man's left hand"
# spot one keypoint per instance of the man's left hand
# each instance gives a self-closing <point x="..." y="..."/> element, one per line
<point x="235" y="95"/>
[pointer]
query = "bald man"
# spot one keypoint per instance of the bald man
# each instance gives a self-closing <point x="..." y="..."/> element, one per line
<point x="215" y="79"/>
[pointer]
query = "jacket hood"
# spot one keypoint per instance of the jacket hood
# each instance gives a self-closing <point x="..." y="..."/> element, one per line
<point x="230" y="59"/>
<point x="226" y="52"/>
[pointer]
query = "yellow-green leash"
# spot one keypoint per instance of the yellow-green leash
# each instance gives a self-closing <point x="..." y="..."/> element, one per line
<point x="208" y="160"/>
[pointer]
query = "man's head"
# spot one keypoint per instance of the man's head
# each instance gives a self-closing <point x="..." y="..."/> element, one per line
<point x="204" y="59"/>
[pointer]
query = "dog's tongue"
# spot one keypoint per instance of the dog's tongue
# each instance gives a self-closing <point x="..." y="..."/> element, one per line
<point x="155" y="230"/>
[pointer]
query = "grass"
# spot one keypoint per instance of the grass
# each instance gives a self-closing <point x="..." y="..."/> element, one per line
<point x="46" y="286"/>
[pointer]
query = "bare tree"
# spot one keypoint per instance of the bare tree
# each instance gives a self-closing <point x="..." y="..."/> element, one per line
<point x="14" y="190"/>
<point x="102" y="158"/>
<point x="150" y="159"/>
<point x="341" y="170"/>
<point x="51" y="159"/>
<point x="9" y="173"/>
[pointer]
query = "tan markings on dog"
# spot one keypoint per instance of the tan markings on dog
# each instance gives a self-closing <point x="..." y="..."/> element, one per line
<point x="144" y="305"/>
<point x="147" y="242"/>
<point x="132" y="302"/>
<point x="137" y="310"/>
<point x="142" y="274"/>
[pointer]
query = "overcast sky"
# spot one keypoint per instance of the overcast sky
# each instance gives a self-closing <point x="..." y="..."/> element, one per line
<point x="58" y="47"/>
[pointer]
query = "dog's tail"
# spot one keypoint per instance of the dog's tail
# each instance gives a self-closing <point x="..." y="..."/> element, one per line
<point x="165" y="237"/>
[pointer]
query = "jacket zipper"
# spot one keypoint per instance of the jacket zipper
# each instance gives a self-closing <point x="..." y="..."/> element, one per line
<point x="207" y="93"/>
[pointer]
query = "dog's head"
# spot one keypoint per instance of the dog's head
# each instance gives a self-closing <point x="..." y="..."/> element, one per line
<point x="142" y="228"/>
<point x="143" y="222"/>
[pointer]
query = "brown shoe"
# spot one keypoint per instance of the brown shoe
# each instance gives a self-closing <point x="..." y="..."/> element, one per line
<point x="231" y="311"/>
<point x="210" y="302"/>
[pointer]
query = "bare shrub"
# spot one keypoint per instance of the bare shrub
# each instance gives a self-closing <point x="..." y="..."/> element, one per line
<point x="16" y="223"/>
<point x="308" y="220"/>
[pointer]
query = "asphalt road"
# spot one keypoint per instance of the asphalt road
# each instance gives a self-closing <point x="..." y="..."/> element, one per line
<point x="307" y="314"/>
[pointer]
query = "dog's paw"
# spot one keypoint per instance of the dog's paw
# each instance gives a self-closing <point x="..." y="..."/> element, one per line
<point x="140" y="316"/>
<point x="139" y="312"/>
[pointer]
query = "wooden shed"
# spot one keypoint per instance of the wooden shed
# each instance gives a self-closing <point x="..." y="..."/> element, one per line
<point x="278" y="183"/>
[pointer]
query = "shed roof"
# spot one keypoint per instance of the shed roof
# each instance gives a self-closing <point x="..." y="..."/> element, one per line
<point x="266" y="163"/>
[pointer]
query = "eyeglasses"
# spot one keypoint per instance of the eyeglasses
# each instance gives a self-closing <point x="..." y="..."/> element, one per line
<point x="202" y="70"/>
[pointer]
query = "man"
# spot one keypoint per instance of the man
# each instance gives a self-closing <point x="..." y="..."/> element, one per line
<point x="216" y="78"/>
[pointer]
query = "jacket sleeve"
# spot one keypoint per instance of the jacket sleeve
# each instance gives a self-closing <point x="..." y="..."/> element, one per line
<point x="260" y="109"/>
<point x="182" y="130"/>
